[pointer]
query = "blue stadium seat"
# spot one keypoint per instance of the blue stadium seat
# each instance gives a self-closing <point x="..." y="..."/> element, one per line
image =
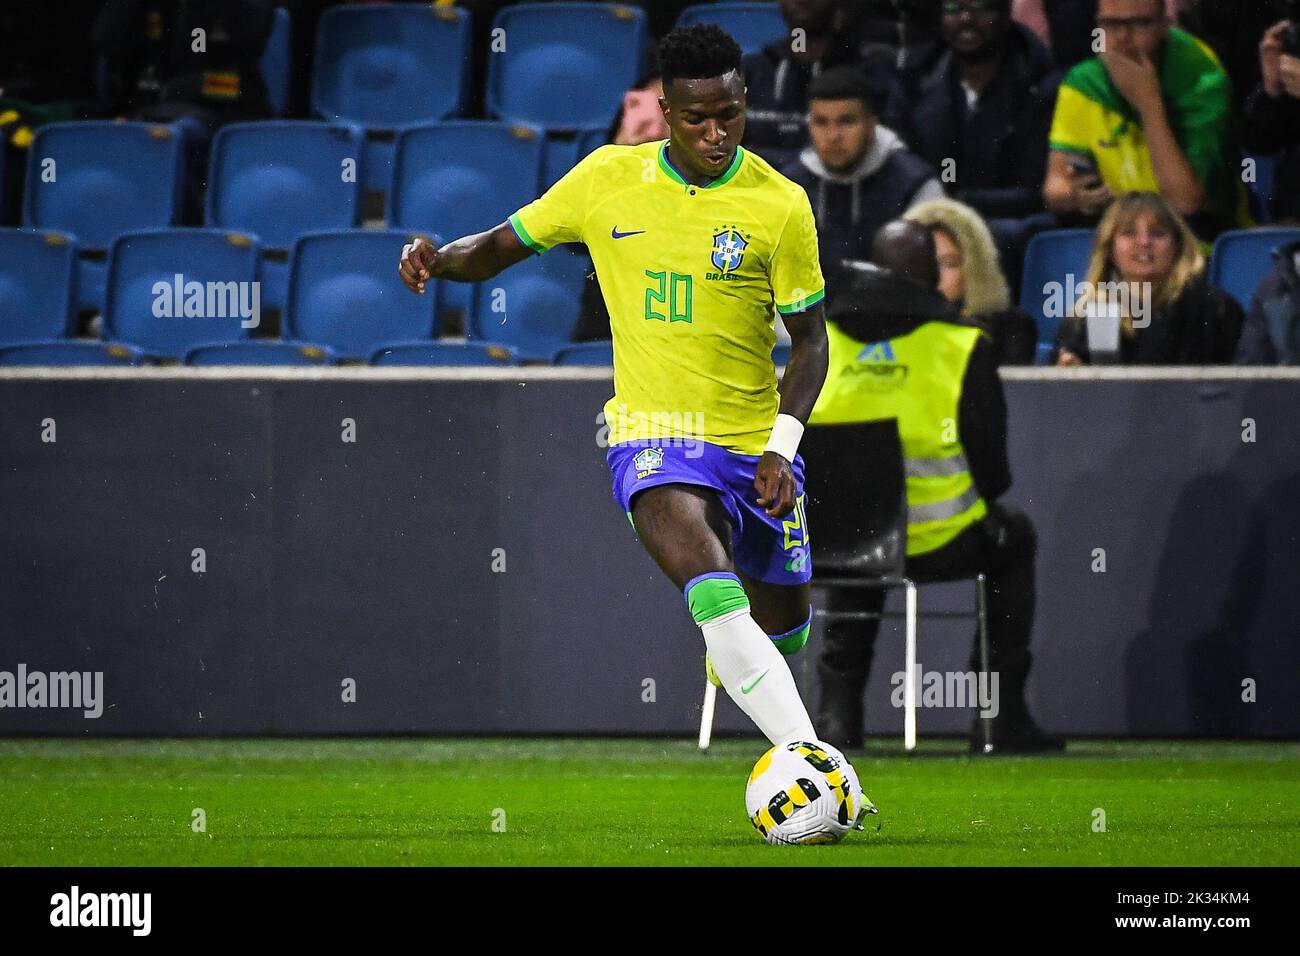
<point x="1242" y="257"/>
<point x="781" y="354"/>
<point x="461" y="177"/>
<point x="1051" y="257"/>
<point x="143" y="299"/>
<point x="445" y="353"/>
<point x="532" y="306"/>
<point x="562" y="154"/>
<point x="252" y="352"/>
<point x="585" y="353"/>
<point x="276" y="62"/>
<point x="281" y="179"/>
<point x="566" y="65"/>
<point x="99" y="179"/>
<point x="70" y="353"/>
<point x="37" y="277"/>
<point x="752" y="25"/>
<point x="345" y="293"/>
<point x="388" y="66"/>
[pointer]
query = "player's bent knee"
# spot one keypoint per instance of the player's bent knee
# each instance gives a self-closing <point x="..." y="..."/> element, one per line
<point x="793" y="641"/>
<point x="711" y="595"/>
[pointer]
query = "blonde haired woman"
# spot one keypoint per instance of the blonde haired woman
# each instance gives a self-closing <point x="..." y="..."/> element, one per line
<point x="971" y="278"/>
<point x="1148" y="267"/>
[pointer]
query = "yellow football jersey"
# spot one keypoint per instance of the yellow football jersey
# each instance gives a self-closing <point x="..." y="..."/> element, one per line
<point x="690" y="276"/>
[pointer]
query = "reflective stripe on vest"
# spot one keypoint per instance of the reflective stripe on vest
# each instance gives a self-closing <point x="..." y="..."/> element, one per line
<point x="936" y="467"/>
<point x="943" y="510"/>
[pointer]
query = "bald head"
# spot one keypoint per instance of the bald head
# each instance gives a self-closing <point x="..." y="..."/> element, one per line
<point x="907" y="249"/>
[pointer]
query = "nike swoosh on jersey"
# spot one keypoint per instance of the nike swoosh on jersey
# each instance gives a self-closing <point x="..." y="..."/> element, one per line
<point x="615" y="234"/>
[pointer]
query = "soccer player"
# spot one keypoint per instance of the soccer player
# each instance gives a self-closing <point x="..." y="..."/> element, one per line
<point x="695" y="241"/>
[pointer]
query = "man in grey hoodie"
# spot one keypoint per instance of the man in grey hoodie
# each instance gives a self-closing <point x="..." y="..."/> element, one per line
<point x="858" y="174"/>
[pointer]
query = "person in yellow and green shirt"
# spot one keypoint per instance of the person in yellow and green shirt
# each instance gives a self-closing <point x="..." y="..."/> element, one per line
<point x="1150" y="113"/>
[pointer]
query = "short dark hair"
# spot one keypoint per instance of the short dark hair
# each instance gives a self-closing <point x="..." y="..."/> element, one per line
<point x="697" y="52"/>
<point x="843" y="83"/>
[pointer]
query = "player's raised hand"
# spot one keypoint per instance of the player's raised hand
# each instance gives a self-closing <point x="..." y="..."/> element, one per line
<point x="774" y="480"/>
<point x="420" y="262"/>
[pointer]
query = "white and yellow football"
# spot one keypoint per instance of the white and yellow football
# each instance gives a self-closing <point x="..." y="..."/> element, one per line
<point x="805" y="792"/>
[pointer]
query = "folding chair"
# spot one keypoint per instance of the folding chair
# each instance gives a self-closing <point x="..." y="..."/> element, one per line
<point x="857" y="502"/>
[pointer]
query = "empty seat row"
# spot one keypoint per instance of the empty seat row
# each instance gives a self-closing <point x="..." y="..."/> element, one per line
<point x="170" y="291"/>
<point x="555" y="65"/>
<point x="278" y="180"/>
<point x="110" y="354"/>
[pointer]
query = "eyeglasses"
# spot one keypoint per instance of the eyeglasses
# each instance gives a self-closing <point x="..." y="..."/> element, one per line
<point x="1129" y="23"/>
<point x="952" y="8"/>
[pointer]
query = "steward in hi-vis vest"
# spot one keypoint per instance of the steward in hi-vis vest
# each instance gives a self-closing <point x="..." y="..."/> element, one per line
<point x="898" y="349"/>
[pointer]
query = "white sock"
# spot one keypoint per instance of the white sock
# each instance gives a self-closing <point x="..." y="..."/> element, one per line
<point x="745" y="658"/>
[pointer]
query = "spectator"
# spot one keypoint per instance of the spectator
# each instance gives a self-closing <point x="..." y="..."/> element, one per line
<point x="641" y="119"/>
<point x="777" y="78"/>
<point x="1272" y="115"/>
<point x="161" y="71"/>
<point x="1064" y="25"/>
<point x="1232" y="31"/>
<point x="943" y="372"/>
<point x="1152" y="113"/>
<point x="985" y="108"/>
<point x="970" y="278"/>
<point x="157" y="71"/>
<point x="1147" y="271"/>
<point x="902" y="34"/>
<point x="857" y="172"/>
<point x="1271" y="333"/>
<point x="45" y="77"/>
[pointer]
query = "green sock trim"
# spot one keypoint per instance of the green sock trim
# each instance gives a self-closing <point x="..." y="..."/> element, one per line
<point x="713" y="595"/>
<point x="794" y="642"/>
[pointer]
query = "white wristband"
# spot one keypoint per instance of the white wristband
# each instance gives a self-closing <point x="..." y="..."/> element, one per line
<point x="786" y="434"/>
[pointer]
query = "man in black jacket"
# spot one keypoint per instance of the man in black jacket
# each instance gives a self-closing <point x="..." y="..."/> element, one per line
<point x="777" y="78"/>
<point x="1271" y="118"/>
<point x="981" y="115"/>
<point x="883" y="308"/>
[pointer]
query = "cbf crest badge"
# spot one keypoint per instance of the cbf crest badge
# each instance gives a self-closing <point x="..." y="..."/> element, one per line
<point x="728" y="250"/>
<point x="648" y="461"/>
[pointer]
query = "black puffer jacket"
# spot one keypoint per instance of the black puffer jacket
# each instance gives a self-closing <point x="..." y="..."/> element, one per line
<point x="999" y="148"/>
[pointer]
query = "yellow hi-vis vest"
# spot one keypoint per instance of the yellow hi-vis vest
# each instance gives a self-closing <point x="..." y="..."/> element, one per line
<point x="917" y="379"/>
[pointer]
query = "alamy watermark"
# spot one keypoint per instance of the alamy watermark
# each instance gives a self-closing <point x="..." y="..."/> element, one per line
<point x="949" y="689"/>
<point x="191" y="299"/>
<point x="1062" y="300"/>
<point x="78" y="690"/>
<point x="659" y="429"/>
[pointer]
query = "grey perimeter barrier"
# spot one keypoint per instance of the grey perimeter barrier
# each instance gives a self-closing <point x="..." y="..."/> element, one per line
<point x="209" y="543"/>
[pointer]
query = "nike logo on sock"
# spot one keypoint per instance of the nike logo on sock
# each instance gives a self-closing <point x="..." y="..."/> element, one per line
<point x="615" y="234"/>
<point x="746" y="690"/>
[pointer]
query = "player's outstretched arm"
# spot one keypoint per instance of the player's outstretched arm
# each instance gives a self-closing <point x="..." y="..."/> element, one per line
<point x="468" y="259"/>
<point x="805" y="373"/>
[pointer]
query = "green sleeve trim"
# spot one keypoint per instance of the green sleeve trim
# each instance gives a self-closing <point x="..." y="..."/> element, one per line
<point x="517" y="224"/>
<point x="1062" y="147"/>
<point x="804" y="304"/>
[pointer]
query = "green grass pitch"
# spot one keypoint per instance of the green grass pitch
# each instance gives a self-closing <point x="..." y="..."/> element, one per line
<point x="628" y="802"/>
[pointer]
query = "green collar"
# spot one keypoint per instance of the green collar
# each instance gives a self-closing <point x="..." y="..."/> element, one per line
<point x="676" y="177"/>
